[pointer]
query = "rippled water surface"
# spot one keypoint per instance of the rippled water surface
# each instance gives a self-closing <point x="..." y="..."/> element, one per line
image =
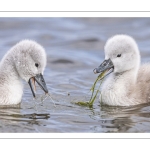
<point x="74" y="47"/>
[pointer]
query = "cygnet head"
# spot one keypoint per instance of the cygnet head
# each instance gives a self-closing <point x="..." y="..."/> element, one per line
<point x="29" y="59"/>
<point x="121" y="55"/>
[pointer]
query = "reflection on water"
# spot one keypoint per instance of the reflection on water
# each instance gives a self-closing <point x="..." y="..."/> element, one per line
<point x="74" y="47"/>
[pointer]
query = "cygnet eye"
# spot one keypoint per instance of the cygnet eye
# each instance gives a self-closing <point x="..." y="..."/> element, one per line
<point x="119" y="55"/>
<point x="36" y="64"/>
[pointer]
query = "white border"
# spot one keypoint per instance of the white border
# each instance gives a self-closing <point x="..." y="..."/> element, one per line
<point x="75" y="135"/>
<point x="74" y="14"/>
<point x="75" y="5"/>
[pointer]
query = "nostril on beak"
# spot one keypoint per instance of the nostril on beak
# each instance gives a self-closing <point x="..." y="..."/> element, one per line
<point x="104" y="64"/>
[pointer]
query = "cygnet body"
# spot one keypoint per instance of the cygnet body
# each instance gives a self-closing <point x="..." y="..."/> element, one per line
<point x="129" y="82"/>
<point x="26" y="60"/>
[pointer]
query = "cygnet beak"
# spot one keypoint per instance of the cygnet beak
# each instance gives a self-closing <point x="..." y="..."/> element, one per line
<point x="106" y="66"/>
<point x="40" y="80"/>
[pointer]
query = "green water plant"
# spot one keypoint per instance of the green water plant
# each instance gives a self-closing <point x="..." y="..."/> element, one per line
<point x="94" y="94"/>
<point x="40" y="100"/>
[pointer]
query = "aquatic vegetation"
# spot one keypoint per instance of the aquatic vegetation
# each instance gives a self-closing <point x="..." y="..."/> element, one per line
<point x="94" y="94"/>
<point x="42" y="99"/>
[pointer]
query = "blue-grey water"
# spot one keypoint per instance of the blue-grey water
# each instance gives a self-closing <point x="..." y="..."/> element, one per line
<point x="74" y="47"/>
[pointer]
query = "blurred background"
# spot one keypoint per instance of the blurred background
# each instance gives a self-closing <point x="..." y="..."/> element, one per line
<point x="74" y="47"/>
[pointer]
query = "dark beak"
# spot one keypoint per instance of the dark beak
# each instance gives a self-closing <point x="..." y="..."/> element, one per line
<point x="41" y="82"/>
<point x="106" y="66"/>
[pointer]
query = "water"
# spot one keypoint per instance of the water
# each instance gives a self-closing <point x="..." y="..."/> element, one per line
<point x="74" y="47"/>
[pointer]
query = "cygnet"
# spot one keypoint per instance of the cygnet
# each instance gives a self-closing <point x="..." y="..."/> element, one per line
<point x="128" y="82"/>
<point x="26" y="60"/>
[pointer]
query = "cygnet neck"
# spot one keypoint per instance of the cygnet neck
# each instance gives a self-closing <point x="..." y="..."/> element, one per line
<point x="117" y="88"/>
<point x="127" y="77"/>
<point x="8" y="69"/>
<point x="11" y="87"/>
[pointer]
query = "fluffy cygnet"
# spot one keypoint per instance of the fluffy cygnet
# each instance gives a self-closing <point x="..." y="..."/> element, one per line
<point x="26" y="60"/>
<point x="129" y="82"/>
